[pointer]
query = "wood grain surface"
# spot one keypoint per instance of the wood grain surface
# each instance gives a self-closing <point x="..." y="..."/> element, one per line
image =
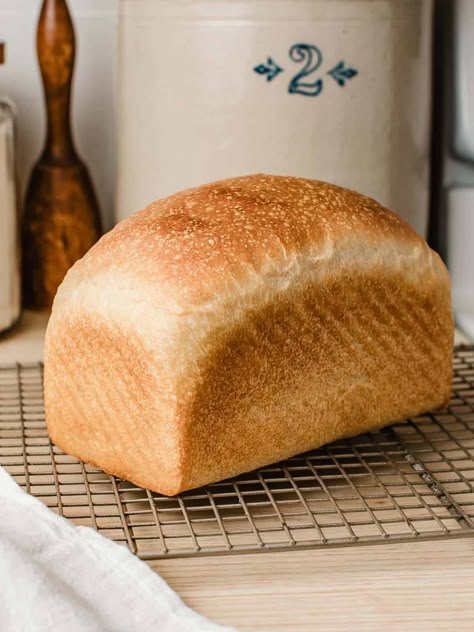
<point x="412" y="586"/>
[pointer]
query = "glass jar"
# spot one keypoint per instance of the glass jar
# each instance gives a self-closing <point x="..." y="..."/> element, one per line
<point x="9" y="224"/>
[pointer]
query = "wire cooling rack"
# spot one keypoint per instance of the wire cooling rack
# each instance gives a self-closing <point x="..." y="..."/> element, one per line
<point x="412" y="480"/>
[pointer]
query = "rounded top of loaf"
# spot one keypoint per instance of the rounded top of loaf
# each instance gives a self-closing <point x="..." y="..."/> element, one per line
<point x="193" y="245"/>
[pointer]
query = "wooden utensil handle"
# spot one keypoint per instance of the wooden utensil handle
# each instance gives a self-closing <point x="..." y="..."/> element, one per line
<point x="61" y="220"/>
<point x="56" y="52"/>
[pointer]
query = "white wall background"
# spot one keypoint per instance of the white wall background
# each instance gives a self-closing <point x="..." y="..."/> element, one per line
<point x="93" y="95"/>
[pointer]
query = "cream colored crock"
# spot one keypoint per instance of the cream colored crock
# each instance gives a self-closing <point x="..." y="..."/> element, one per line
<point x="337" y="90"/>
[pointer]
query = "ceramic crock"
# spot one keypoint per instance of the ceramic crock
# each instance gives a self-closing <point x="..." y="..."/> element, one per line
<point x="336" y="90"/>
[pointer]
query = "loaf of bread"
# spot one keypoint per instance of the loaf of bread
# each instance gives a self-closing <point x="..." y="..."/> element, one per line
<point x="239" y="323"/>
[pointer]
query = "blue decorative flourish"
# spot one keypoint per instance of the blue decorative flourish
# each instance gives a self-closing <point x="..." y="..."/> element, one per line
<point x="312" y="57"/>
<point x="305" y="82"/>
<point x="340" y="74"/>
<point x="271" y="69"/>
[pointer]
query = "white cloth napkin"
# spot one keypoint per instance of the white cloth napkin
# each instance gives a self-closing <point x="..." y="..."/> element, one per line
<point x="55" y="576"/>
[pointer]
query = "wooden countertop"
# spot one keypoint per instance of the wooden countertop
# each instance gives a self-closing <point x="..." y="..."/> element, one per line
<point x="411" y="586"/>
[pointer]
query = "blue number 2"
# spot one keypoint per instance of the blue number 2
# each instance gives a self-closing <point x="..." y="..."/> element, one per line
<point x="312" y="57"/>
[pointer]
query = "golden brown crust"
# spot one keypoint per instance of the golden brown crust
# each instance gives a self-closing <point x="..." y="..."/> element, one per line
<point x="241" y="322"/>
<point x="197" y="242"/>
<point x="323" y="363"/>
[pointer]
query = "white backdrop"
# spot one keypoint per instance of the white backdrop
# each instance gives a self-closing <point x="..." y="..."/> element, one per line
<point x="93" y="113"/>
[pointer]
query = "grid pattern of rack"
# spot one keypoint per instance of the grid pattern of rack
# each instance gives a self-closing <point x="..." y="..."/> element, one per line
<point x="414" y="479"/>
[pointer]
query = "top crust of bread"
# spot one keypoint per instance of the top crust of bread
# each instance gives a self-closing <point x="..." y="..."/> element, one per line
<point x="234" y="235"/>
